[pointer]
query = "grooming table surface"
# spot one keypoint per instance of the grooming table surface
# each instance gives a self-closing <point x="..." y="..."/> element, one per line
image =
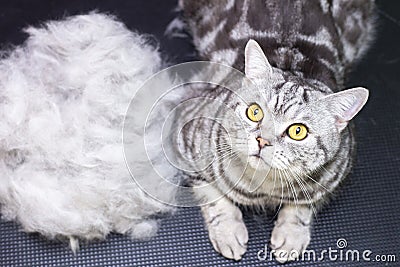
<point x="365" y="212"/>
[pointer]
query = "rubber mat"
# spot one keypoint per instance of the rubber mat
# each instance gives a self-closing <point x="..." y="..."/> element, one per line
<point x="363" y="217"/>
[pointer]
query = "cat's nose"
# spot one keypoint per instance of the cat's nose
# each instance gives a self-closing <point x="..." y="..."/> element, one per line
<point x="263" y="142"/>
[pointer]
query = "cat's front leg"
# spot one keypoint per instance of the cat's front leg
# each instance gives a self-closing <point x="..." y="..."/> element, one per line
<point x="226" y="229"/>
<point x="291" y="234"/>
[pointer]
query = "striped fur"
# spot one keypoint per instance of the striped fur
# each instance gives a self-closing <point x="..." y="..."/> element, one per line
<point x="317" y="39"/>
<point x="309" y="46"/>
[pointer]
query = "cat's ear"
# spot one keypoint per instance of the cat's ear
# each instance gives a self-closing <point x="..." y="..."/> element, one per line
<point x="256" y="63"/>
<point x="346" y="104"/>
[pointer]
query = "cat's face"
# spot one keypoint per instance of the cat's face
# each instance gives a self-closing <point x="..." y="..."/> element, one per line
<point x="290" y="125"/>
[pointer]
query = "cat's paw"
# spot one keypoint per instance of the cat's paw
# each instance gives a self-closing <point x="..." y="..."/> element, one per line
<point x="289" y="240"/>
<point x="229" y="237"/>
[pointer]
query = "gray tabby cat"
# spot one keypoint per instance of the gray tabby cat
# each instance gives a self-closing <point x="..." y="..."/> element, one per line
<point x="303" y="51"/>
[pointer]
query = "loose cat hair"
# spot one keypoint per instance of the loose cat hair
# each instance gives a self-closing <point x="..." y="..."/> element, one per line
<point x="297" y="55"/>
<point x="64" y="96"/>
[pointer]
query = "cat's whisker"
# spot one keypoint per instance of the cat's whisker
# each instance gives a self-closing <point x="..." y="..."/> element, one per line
<point x="312" y="179"/>
<point x="302" y="183"/>
<point x="273" y="189"/>
<point x="319" y="167"/>
<point x="325" y="169"/>
<point x="220" y="157"/>
<point x="223" y="157"/>
<point x="282" y="195"/>
<point x="294" y="193"/>
<point x="291" y="198"/>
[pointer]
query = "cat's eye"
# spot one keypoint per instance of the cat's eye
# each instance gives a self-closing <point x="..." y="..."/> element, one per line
<point x="297" y="131"/>
<point x="255" y="113"/>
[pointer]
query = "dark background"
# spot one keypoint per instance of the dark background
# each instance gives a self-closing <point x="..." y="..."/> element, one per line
<point x="365" y="212"/>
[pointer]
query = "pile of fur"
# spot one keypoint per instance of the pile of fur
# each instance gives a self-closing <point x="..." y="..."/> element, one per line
<point x="64" y="94"/>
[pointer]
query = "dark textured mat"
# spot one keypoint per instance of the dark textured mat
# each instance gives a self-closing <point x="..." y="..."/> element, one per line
<point x="365" y="212"/>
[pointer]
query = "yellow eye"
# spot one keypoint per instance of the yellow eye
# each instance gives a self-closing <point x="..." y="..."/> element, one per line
<point x="255" y="113"/>
<point x="297" y="132"/>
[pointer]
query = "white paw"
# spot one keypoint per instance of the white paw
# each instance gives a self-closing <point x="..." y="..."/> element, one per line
<point x="289" y="240"/>
<point x="228" y="237"/>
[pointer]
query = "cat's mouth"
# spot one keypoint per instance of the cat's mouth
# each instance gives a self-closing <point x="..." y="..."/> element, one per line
<point x="258" y="159"/>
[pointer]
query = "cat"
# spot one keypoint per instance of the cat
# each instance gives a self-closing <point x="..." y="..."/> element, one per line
<point x="297" y="54"/>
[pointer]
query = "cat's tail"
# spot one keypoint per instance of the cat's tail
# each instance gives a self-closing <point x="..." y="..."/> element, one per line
<point x="357" y="30"/>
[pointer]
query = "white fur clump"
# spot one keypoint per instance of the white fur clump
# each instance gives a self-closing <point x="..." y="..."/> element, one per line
<point x="63" y="98"/>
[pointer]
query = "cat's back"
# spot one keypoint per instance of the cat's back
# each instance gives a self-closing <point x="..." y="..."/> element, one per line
<point x="339" y="29"/>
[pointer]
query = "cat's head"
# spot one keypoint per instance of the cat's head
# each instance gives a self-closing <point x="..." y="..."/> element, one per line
<point x="292" y="124"/>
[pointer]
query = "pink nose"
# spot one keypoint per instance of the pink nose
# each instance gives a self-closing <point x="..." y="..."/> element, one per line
<point x="262" y="142"/>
